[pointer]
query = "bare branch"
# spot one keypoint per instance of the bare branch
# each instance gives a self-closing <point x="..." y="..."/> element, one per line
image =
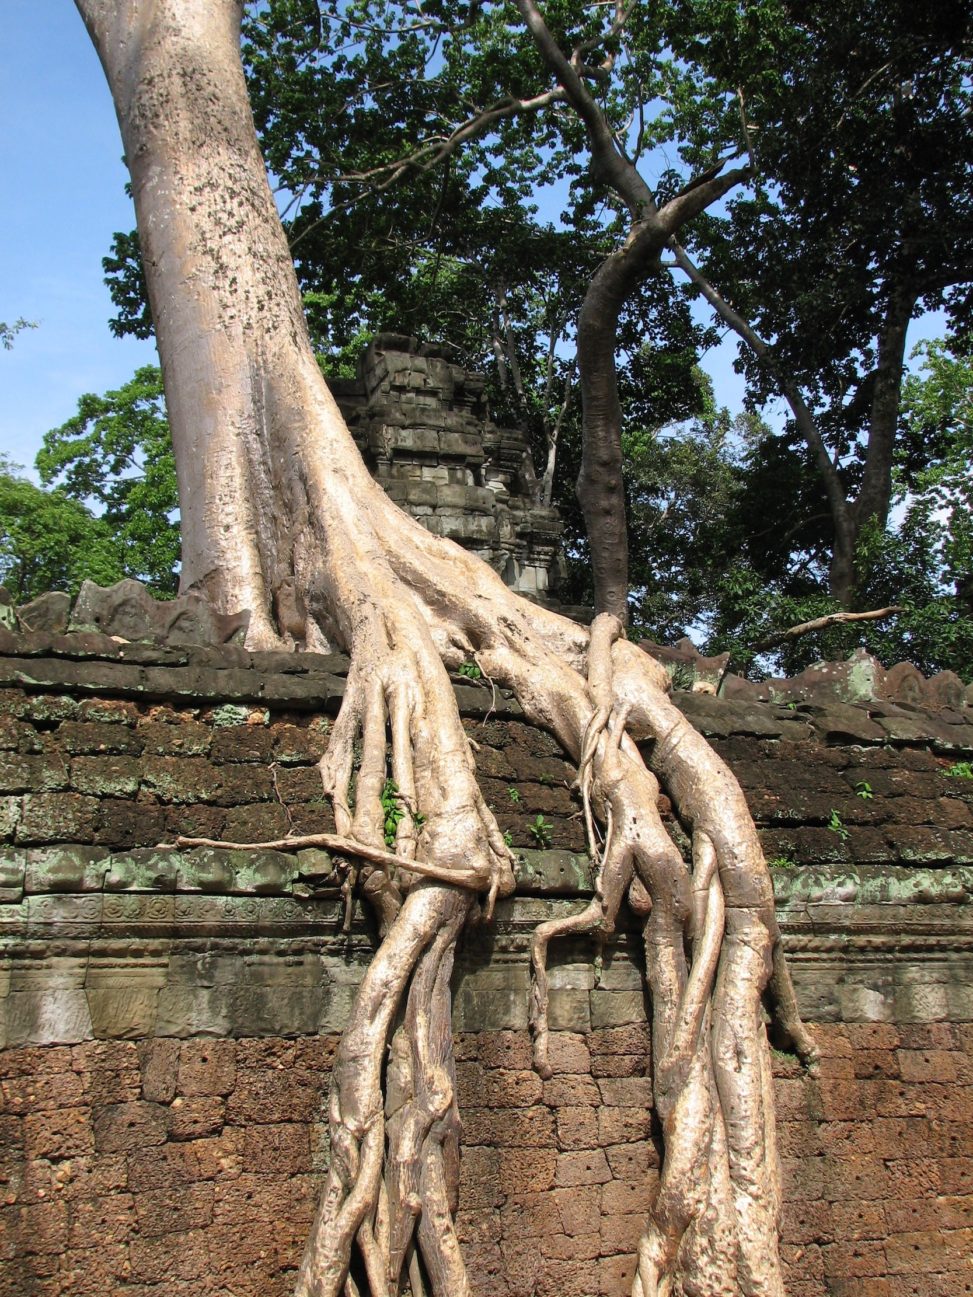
<point x="605" y="154"/>
<point x="822" y="623"/>
<point x="747" y="131"/>
<point x="435" y="150"/>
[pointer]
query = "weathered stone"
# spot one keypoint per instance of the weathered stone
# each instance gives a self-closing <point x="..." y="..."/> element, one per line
<point x="722" y="717"/>
<point x="159" y="1064"/>
<point x="263" y="873"/>
<point x="66" y="869"/>
<point x="9" y="815"/>
<point x="109" y="776"/>
<point x="687" y="668"/>
<point x="57" y="817"/>
<point x="48" y="612"/>
<point x="129" y="611"/>
<point x="143" y="871"/>
<point x="44" y="1017"/>
<point x="97" y="738"/>
<point x="554" y="872"/>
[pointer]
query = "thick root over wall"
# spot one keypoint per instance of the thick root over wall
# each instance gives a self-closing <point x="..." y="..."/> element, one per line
<point x="385" y="1219"/>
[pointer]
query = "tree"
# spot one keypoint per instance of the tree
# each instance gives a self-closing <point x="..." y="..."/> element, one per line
<point x="49" y="541"/>
<point x="859" y="125"/>
<point x="117" y="452"/>
<point x="276" y="505"/>
<point x="418" y="148"/>
<point x="776" y="574"/>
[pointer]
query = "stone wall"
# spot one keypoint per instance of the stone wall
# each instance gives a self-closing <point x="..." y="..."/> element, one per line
<point x="169" y="1018"/>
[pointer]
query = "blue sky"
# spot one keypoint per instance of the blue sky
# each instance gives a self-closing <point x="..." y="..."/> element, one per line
<point x="62" y="199"/>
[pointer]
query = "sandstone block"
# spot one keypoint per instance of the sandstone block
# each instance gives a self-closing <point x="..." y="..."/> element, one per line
<point x="582" y="1168"/>
<point x="124" y="1126"/>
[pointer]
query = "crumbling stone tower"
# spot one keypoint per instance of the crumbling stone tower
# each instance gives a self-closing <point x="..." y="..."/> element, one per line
<point x="424" y="428"/>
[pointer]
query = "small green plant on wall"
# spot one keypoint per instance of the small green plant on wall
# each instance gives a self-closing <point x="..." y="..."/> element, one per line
<point x="392" y="809"/>
<point x="863" y="789"/>
<point x="470" y="670"/>
<point x="513" y="794"/>
<point x="785" y="860"/>
<point x="837" y="827"/>
<point x="540" y="830"/>
<point x="960" y="770"/>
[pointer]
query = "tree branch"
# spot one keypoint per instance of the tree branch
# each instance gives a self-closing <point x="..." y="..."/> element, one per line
<point x="699" y="194"/>
<point x="605" y="155"/>
<point x="436" y="149"/>
<point x="799" y="408"/>
<point x="822" y="623"/>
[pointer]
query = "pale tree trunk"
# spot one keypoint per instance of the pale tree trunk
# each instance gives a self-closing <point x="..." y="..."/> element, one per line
<point x="277" y="503"/>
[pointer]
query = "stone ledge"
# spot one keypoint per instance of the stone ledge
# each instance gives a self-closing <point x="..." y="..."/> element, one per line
<point x="137" y="962"/>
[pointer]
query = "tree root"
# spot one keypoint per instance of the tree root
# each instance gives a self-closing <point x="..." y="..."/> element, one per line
<point x="712" y="949"/>
<point x="711" y="942"/>
<point x="474" y="880"/>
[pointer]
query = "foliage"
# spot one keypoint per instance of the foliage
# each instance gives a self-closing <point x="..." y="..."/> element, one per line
<point x="393" y="811"/>
<point x="541" y="831"/>
<point x="858" y="122"/>
<point x="783" y="861"/>
<point x="960" y="770"/>
<point x="9" y="331"/>
<point x="116" y="454"/>
<point x="469" y="671"/>
<point x="860" y="125"/>
<point x="837" y="827"/>
<point x="452" y="248"/>
<point x="49" y="541"/>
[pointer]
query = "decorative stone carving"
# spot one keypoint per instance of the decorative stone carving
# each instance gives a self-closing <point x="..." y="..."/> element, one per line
<point x="128" y="611"/>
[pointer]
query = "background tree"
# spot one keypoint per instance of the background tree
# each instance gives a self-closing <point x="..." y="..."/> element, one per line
<point x="859" y="124"/>
<point x="418" y="147"/>
<point x="274" y="496"/>
<point x="115" y="454"/>
<point x="9" y="331"/>
<point x="49" y="541"/>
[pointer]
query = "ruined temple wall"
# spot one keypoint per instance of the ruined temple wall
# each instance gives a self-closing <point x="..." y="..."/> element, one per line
<point x="170" y="1018"/>
<point x="164" y="1168"/>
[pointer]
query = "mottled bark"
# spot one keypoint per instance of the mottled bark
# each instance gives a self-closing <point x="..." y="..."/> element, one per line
<point x="276" y="500"/>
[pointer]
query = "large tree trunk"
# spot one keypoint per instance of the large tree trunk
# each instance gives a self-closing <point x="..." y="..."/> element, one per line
<point x="600" y="486"/>
<point x="875" y="495"/>
<point x="278" y="506"/>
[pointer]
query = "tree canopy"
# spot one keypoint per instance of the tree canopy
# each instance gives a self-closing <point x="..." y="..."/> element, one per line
<point x="115" y="456"/>
<point x="49" y="541"/>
